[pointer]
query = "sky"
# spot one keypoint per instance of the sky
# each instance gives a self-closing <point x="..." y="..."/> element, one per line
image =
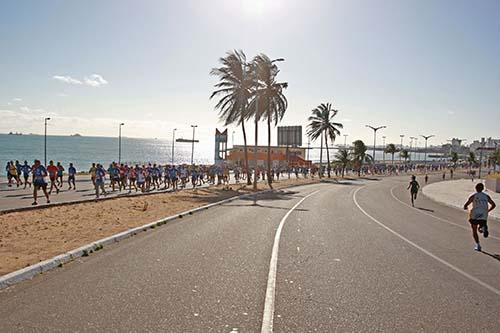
<point x="418" y="67"/>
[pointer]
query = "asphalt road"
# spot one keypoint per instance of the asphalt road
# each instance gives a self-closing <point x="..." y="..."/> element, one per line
<point x="352" y="257"/>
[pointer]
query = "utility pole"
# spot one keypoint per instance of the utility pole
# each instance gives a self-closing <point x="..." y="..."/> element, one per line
<point x="120" y="143"/>
<point x="345" y="140"/>
<point x="401" y="147"/>
<point x="375" y="129"/>
<point x="481" y="156"/>
<point x="425" y="152"/>
<point x="192" y="144"/>
<point x="415" y="147"/>
<point x="383" y="144"/>
<point x="45" y="142"/>
<point x="173" y="143"/>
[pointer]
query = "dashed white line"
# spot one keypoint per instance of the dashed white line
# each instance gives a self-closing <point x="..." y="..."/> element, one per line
<point x="430" y="254"/>
<point x="268" y="316"/>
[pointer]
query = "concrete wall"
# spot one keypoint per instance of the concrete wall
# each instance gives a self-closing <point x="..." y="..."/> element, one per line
<point x="493" y="184"/>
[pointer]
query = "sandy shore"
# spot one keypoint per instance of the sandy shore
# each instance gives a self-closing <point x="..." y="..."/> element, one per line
<point x="32" y="236"/>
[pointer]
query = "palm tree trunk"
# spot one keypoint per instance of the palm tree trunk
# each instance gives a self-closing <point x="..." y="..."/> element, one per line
<point x="392" y="158"/>
<point x="327" y="155"/>
<point x="321" y="158"/>
<point x="255" y="153"/>
<point x="269" y="178"/>
<point x="249" y="175"/>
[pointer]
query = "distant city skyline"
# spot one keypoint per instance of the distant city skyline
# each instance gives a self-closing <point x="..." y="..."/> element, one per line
<point x="418" y="67"/>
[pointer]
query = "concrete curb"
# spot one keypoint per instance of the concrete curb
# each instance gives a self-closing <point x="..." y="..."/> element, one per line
<point x="57" y="261"/>
<point x="425" y="192"/>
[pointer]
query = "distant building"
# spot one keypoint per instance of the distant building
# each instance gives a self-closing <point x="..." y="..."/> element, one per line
<point x="280" y="156"/>
<point x="488" y="143"/>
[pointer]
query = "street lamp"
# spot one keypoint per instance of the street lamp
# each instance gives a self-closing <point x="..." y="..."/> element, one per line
<point x="401" y="147"/>
<point x="192" y="144"/>
<point x="173" y="143"/>
<point x="45" y="142"/>
<point x="375" y="129"/>
<point x="120" y="142"/>
<point x="345" y="140"/>
<point x="425" y="152"/>
<point x="411" y="142"/>
<point x="232" y="139"/>
<point x="383" y="144"/>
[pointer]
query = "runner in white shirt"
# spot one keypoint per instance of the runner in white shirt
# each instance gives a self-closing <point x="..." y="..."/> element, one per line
<point x="478" y="215"/>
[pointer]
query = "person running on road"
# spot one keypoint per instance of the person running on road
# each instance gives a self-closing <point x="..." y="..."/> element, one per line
<point x="71" y="176"/>
<point x="413" y="187"/>
<point x="426" y="178"/>
<point x="92" y="173"/>
<point x="100" y="174"/>
<point x="60" y="172"/>
<point x="39" y="174"/>
<point x="478" y="216"/>
<point x="52" y="169"/>
<point x="26" y="170"/>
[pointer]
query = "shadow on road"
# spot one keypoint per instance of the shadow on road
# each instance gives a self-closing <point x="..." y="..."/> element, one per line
<point x="425" y="209"/>
<point x="494" y="256"/>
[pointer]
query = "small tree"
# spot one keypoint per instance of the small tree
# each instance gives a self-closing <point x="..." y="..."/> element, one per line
<point x="391" y="149"/>
<point x="405" y="155"/>
<point x="344" y="159"/>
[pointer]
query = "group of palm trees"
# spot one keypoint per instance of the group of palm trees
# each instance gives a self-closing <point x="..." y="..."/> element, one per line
<point x="249" y="90"/>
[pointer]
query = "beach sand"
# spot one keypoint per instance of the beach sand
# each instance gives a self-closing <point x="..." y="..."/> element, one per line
<point x="32" y="236"/>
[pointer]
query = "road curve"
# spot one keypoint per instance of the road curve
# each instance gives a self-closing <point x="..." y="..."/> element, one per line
<point x="353" y="256"/>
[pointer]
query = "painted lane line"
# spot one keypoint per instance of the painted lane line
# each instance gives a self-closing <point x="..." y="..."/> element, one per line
<point x="431" y="215"/>
<point x="268" y="316"/>
<point x="430" y="254"/>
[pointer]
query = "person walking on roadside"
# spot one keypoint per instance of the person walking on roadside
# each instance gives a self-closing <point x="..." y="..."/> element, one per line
<point x="92" y="173"/>
<point x="26" y="170"/>
<point x="71" y="176"/>
<point x="426" y="178"/>
<point x="100" y="175"/>
<point x="39" y="174"/>
<point x="478" y="216"/>
<point x="60" y="172"/>
<point x="413" y="187"/>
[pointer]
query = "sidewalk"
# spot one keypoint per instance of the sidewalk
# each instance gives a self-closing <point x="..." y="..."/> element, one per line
<point x="455" y="193"/>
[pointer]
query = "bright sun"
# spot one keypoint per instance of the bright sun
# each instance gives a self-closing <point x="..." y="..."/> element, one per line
<point x="258" y="7"/>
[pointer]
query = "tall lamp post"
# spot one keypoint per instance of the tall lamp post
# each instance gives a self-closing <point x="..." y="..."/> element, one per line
<point x="383" y="144"/>
<point x="45" y="142"/>
<point x="425" y="152"/>
<point x="345" y="140"/>
<point x="120" y="143"/>
<point x="411" y="143"/>
<point x="401" y="146"/>
<point x="375" y="129"/>
<point x="192" y="144"/>
<point x="173" y="144"/>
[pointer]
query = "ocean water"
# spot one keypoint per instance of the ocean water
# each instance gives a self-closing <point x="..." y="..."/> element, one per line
<point x="83" y="151"/>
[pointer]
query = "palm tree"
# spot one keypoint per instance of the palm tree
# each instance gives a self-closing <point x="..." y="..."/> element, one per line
<point x="322" y="124"/>
<point x="391" y="149"/>
<point x="270" y="98"/>
<point x="234" y="87"/>
<point x="454" y="158"/>
<point x="472" y="160"/>
<point x="344" y="158"/>
<point x="360" y="156"/>
<point x="405" y="155"/>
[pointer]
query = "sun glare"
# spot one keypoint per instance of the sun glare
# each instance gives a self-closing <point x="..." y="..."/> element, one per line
<point x="258" y="7"/>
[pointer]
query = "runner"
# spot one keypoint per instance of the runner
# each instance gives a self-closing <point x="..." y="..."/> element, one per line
<point x="39" y="174"/>
<point x="131" y="178"/>
<point x="60" y="172"/>
<point x="13" y="173"/>
<point x="71" y="176"/>
<point x="26" y="170"/>
<point x="413" y="187"/>
<point x="52" y="169"/>
<point x="100" y="174"/>
<point x="92" y="173"/>
<point x="478" y="216"/>
<point x="426" y="178"/>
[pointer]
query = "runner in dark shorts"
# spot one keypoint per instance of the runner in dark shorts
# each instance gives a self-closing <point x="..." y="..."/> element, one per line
<point x="71" y="176"/>
<point x="39" y="174"/>
<point x="478" y="216"/>
<point x="413" y="187"/>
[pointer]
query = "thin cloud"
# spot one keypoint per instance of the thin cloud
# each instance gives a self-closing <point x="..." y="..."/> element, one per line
<point x="66" y="79"/>
<point x="94" y="80"/>
<point x="451" y="112"/>
<point x="17" y="99"/>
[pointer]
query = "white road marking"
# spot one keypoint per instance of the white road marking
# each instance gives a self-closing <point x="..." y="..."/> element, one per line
<point x="431" y="215"/>
<point x="430" y="254"/>
<point x="268" y="316"/>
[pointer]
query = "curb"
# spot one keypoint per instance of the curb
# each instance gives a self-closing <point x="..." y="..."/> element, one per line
<point x="447" y="204"/>
<point x="57" y="261"/>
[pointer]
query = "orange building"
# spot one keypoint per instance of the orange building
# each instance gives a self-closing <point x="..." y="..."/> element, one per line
<point x="280" y="156"/>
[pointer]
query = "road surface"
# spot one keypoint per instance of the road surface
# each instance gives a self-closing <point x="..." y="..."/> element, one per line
<point x="352" y="257"/>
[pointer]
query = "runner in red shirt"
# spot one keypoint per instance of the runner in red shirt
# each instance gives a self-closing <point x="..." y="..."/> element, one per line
<point x="52" y="170"/>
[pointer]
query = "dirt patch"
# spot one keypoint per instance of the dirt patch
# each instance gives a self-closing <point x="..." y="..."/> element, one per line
<point x="29" y="237"/>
